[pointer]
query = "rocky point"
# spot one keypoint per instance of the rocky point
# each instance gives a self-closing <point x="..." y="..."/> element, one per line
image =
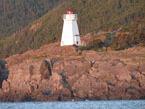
<point x="54" y="73"/>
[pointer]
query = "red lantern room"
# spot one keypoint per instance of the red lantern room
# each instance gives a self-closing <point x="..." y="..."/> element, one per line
<point x="70" y="11"/>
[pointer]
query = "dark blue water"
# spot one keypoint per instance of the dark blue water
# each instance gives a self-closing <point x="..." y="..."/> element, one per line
<point x="124" y="104"/>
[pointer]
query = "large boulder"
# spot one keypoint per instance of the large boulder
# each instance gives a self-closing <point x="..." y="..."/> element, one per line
<point x="142" y="68"/>
<point x="121" y="72"/>
<point x="88" y="87"/>
<point x="142" y="81"/>
<point x="19" y="77"/>
<point x="19" y="84"/>
<point x="117" y="93"/>
<point x="124" y="77"/>
<point x="103" y="76"/>
<point x="45" y="69"/>
<point x="124" y="90"/>
<point x="55" y="85"/>
<point x="6" y="86"/>
<point x="72" y="69"/>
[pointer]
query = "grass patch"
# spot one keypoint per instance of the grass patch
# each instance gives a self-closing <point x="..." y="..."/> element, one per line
<point x="79" y="54"/>
<point x="35" y="57"/>
<point x="138" y="60"/>
<point x="123" y="63"/>
<point x="113" y="64"/>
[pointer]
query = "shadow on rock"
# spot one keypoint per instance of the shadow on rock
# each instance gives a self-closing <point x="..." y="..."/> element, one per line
<point x="27" y="98"/>
<point x="45" y="70"/>
<point x="3" y="72"/>
<point x="65" y="83"/>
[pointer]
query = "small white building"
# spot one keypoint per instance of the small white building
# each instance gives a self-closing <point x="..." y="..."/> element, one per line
<point x="70" y="32"/>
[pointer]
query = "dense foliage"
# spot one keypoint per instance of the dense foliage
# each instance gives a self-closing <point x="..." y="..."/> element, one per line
<point x="126" y="40"/>
<point x="93" y="15"/>
<point x="16" y="14"/>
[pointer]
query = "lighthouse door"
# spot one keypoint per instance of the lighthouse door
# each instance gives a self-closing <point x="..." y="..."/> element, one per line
<point x="76" y="40"/>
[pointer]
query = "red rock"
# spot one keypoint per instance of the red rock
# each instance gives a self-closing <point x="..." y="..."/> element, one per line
<point x="88" y="87"/>
<point x="117" y="92"/>
<point x="113" y="75"/>
<point x="36" y="78"/>
<point x="6" y="86"/>
<point x="142" y="81"/>
<point x="1" y="93"/>
<point x="124" y="77"/>
<point x="142" y="67"/>
<point x="53" y="84"/>
<point x="104" y="76"/>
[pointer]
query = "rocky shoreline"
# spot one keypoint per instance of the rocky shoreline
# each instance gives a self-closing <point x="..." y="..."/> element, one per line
<point x="54" y="73"/>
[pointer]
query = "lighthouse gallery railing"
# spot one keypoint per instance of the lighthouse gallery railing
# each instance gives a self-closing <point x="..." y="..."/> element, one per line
<point x="70" y="16"/>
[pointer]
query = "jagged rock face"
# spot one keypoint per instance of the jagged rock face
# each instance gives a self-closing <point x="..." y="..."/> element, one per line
<point x="87" y="86"/>
<point x="53" y="84"/>
<point x="72" y="69"/>
<point x="51" y="74"/>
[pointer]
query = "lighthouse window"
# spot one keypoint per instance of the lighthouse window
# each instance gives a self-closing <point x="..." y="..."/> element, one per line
<point x="77" y="38"/>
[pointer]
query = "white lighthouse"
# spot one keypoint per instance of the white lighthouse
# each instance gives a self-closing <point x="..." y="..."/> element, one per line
<point x="70" y="33"/>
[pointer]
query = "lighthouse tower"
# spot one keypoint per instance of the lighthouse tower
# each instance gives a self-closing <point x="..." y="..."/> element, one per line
<point x="70" y="33"/>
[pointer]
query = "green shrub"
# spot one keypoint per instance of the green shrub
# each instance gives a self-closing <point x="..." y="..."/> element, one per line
<point x="95" y="44"/>
<point x="138" y="37"/>
<point x="85" y="48"/>
<point x="120" y="42"/>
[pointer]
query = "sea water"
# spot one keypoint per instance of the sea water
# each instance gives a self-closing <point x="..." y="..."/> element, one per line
<point x="121" y="104"/>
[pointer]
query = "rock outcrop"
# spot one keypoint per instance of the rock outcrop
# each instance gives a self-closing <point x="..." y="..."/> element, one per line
<point x="54" y="73"/>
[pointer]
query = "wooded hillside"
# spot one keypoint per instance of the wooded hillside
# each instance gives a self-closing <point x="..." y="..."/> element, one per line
<point x="16" y="14"/>
<point x="93" y="16"/>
